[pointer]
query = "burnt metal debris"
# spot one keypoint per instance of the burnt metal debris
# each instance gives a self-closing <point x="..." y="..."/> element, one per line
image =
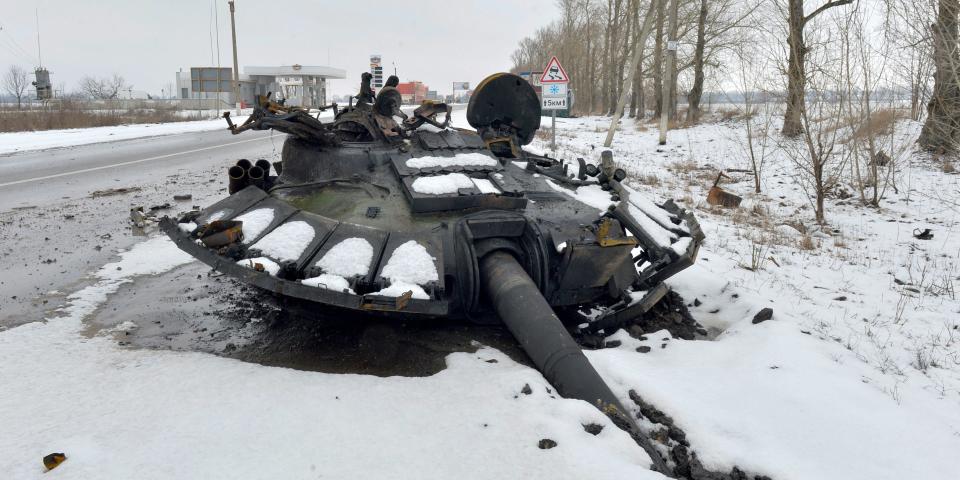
<point x="721" y="197"/>
<point x="417" y="219"/>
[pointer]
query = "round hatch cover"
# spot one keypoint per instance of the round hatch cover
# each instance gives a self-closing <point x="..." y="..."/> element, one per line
<point x="505" y="99"/>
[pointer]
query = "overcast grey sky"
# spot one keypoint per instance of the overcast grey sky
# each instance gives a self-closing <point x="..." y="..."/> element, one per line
<point x="434" y="41"/>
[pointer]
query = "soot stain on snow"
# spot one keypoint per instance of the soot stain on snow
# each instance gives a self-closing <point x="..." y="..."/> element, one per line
<point x="192" y="309"/>
<point x="670" y="314"/>
<point x="682" y="455"/>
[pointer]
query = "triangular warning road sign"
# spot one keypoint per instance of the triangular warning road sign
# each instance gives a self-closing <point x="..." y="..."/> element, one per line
<point x="554" y="73"/>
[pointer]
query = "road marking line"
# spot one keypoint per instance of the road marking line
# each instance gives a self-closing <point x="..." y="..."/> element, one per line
<point x="131" y="162"/>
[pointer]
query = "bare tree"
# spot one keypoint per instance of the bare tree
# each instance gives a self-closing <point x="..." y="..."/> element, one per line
<point x="907" y="28"/>
<point x="693" y="98"/>
<point x="15" y="83"/>
<point x="941" y="131"/>
<point x="818" y="154"/>
<point x="757" y="139"/>
<point x="873" y="143"/>
<point x="797" y="21"/>
<point x="103" y="88"/>
<point x="722" y="25"/>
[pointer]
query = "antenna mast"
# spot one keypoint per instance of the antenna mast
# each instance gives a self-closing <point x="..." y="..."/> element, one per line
<point x="39" y="56"/>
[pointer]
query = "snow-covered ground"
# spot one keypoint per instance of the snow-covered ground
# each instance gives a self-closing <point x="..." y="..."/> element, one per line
<point x="121" y="413"/>
<point x="25" y="141"/>
<point x="14" y="142"/>
<point x="857" y="376"/>
<point x="858" y="373"/>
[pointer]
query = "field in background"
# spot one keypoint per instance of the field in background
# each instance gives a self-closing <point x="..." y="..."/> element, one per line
<point x="66" y="114"/>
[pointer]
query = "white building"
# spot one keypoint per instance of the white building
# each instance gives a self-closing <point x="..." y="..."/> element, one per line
<point x="299" y="85"/>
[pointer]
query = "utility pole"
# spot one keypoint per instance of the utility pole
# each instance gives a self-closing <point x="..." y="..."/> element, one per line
<point x="236" y="67"/>
<point x="553" y="131"/>
<point x="216" y="26"/>
<point x="668" y="72"/>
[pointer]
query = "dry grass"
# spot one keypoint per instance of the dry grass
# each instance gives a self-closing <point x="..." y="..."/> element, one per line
<point x="806" y="243"/>
<point x="676" y="123"/>
<point x="948" y="167"/>
<point x="839" y="241"/>
<point x="648" y="179"/>
<point x="70" y="114"/>
<point x="759" y="210"/>
<point x="683" y="166"/>
<point x="881" y="123"/>
<point x="730" y="114"/>
<point x="800" y="227"/>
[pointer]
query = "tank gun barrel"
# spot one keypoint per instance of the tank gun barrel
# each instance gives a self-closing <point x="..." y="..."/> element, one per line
<point x="546" y="341"/>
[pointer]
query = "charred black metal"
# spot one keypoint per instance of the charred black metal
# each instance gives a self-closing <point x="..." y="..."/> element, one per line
<point x="512" y="241"/>
<point x="238" y="179"/>
<point x="366" y="92"/>
<point x="531" y="320"/>
<point x="270" y="115"/>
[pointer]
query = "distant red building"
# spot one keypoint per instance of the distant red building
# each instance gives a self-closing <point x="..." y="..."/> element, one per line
<point x="413" y="93"/>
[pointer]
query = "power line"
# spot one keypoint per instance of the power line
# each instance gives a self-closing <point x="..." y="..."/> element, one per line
<point x="19" y="56"/>
<point x="15" y="49"/>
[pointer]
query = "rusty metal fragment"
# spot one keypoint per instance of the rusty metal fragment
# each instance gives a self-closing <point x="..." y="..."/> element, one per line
<point x="721" y="197"/>
<point x="221" y="233"/>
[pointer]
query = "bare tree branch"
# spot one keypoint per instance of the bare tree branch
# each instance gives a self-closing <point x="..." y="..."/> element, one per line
<point x="15" y="83"/>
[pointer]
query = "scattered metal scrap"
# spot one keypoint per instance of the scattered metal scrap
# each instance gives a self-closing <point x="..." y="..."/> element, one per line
<point x="295" y="121"/>
<point x="113" y="191"/>
<point x="926" y="234"/>
<point x="53" y="460"/>
<point x="721" y="197"/>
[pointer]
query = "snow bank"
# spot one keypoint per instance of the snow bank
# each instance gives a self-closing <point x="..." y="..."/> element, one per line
<point x="841" y="383"/>
<point x="122" y="413"/>
<point x="24" y="141"/>
<point x="472" y="159"/>
<point x="349" y="258"/>
<point x="778" y="402"/>
<point x="442" y="184"/>
<point x="286" y="242"/>
<point x="254" y="222"/>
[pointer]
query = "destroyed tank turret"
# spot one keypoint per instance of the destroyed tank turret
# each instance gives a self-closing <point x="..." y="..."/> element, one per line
<point x="419" y="219"/>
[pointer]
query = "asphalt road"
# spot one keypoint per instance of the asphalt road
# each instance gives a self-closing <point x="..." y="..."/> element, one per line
<point x="53" y="233"/>
<point x="34" y="178"/>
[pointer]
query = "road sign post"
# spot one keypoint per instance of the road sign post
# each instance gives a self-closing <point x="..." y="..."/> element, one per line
<point x="553" y="95"/>
<point x="553" y="132"/>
